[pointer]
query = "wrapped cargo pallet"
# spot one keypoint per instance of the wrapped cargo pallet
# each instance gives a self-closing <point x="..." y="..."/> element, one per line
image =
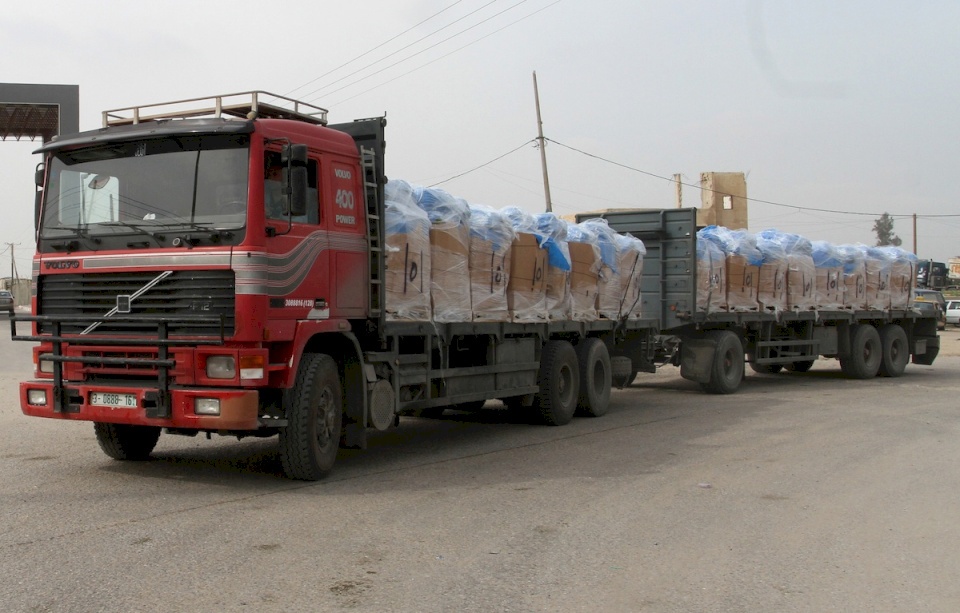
<point x="585" y="266"/>
<point x="772" y="290"/>
<point x="527" y="287"/>
<point x="609" y="290"/>
<point x="711" y="276"/>
<point x="407" y="255"/>
<point x="903" y="276"/>
<point x="558" y="265"/>
<point x="854" y="277"/>
<point x="829" y="271"/>
<point x="491" y="237"/>
<point x="630" y="252"/>
<point x="877" y="268"/>
<point x="801" y="272"/>
<point x="743" y="266"/>
<point x="449" y="253"/>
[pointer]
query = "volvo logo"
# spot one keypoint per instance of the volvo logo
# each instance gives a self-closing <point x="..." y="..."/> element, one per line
<point x="61" y="264"/>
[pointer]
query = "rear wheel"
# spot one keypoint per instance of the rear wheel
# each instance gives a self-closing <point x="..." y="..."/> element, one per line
<point x="863" y="361"/>
<point x="726" y="372"/>
<point x="124" y="442"/>
<point x="559" y="381"/>
<point x="595" y="377"/>
<point x="895" y="349"/>
<point x="314" y="407"/>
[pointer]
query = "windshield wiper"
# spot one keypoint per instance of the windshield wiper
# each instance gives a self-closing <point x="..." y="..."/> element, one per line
<point x="154" y="235"/>
<point x="71" y="245"/>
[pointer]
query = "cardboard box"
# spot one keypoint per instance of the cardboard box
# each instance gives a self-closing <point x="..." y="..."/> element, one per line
<point x="829" y="288"/>
<point x="450" y="273"/>
<point x="584" y="278"/>
<point x="407" y="276"/>
<point x="855" y="289"/>
<point x="631" y="275"/>
<point x="801" y="283"/>
<point x="711" y="284"/>
<point x="559" y="303"/>
<point x="608" y="292"/>
<point x="489" y="277"/>
<point x="877" y="285"/>
<point x="527" y="287"/>
<point x="903" y="276"/>
<point x="743" y="280"/>
<point x="772" y="291"/>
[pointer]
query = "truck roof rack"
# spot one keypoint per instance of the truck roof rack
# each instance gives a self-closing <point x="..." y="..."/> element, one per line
<point x="241" y="104"/>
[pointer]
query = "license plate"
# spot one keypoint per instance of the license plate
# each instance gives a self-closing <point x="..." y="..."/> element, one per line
<point x="117" y="401"/>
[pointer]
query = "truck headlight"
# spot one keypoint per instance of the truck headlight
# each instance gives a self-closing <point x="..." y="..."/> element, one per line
<point x="221" y="367"/>
<point x="37" y="397"/>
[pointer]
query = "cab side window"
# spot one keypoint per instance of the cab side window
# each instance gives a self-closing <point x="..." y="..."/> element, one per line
<point x="274" y="203"/>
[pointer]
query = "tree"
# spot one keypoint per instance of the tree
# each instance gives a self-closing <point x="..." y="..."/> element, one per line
<point x="883" y="227"/>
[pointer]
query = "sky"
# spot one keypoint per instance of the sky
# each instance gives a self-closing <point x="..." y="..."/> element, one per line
<point x="836" y="111"/>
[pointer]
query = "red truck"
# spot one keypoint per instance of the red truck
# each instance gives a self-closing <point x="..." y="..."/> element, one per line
<point x="216" y="266"/>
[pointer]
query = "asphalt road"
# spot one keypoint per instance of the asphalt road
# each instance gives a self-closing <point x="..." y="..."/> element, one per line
<point x="803" y="492"/>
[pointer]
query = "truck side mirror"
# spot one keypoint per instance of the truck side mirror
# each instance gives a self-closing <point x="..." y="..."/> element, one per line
<point x="38" y="177"/>
<point x="294" y="159"/>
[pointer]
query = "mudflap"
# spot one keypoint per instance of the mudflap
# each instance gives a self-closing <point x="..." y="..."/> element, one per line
<point x="925" y="349"/>
<point x="696" y="359"/>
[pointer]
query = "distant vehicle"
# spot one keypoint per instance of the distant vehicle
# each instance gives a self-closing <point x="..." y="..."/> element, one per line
<point x="6" y="301"/>
<point x="953" y="312"/>
<point x="931" y="274"/>
<point x="931" y="306"/>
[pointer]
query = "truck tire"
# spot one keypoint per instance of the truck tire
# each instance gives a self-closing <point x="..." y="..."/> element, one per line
<point x="863" y="361"/>
<point x="314" y="409"/>
<point x="595" y="377"/>
<point x="124" y="442"/>
<point x="802" y="366"/>
<point x="726" y="372"/>
<point x="559" y="381"/>
<point x="896" y="351"/>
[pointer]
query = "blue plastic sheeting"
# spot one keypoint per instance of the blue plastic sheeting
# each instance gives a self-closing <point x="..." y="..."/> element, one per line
<point x="825" y="255"/>
<point x="733" y="242"/>
<point x="440" y="206"/>
<point x="554" y="231"/>
<point x="402" y="215"/>
<point x="489" y="225"/>
<point x="606" y="240"/>
<point x="792" y="244"/>
<point x="851" y="256"/>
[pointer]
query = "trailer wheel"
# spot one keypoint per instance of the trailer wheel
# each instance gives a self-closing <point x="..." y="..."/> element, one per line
<point x="863" y="361"/>
<point x="124" y="442"/>
<point x="802" y="366"/>
<point x="314" y="407"/>
<point x="726" y="372"/>
<point x="622" y="372"/>
<point x="595" y="377"/>
<point x="559" y="381"/>
<point x="896" y="351"/>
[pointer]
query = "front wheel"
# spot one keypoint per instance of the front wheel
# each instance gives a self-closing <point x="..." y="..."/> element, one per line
<point x="314" y="407"/>
<point x="124" y="442"/>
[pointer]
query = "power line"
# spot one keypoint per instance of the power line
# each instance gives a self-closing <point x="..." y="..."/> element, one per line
<point x="389" y="40"/>
<point x="758" y="200"/>
<point x="499" y="157"/>
<point x="516" y="21"/>
<point x="376" y="72"/>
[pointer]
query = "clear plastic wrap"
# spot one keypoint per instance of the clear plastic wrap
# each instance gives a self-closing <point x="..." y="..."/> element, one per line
<point x="711" y="276"/>
<point x="585" y="272"/>
<point x="407" y="255"/>
<point x="609" y="283"/>
<point x="854" y="276"/>
<point x="903" y="275"/>
<point x="630" y="252"/>
<point x="450" y="253"/>
<point x="772" y="289"/>
<point x="554" y="230"/>
<point x="829" y="270"/>
<point x="878" y="264"/>
<point x="743" y="265"/>
<point x="491" y="236"/>
<point x="527" y="288"/>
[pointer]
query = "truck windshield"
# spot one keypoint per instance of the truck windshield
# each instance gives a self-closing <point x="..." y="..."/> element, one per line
<point x="197" y="182"/>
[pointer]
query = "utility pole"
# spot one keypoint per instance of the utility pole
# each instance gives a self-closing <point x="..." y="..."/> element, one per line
<point x="543" y="146"/>
<point x="676" y="179"/>
<point x="914" y="234"/>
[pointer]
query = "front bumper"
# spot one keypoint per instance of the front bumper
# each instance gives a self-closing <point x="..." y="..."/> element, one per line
<point x="239" y="409"/>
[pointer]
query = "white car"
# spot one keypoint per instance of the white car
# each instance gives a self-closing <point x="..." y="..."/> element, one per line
<point x="953" y="312"/>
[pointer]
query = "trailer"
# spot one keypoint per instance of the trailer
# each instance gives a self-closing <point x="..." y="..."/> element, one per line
<point x="713" y="348"/>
